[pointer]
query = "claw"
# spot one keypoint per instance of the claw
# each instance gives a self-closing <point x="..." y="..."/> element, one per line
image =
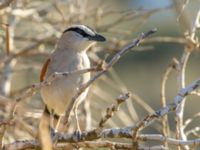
<point x="52" y="132"/>
<point x="53" y="135"/>
<point x="77" y="136"/>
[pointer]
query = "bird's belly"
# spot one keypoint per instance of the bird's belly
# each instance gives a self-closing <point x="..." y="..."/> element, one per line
<point x="58" y="94"/>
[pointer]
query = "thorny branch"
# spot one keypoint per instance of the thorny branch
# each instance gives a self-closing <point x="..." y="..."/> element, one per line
<point x="110" y="110"/>
<point x="87" y="144"/>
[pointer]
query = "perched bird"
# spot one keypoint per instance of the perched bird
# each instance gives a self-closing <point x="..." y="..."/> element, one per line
<point x="69" y="55"/>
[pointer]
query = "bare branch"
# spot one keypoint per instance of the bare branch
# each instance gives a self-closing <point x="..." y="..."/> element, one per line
<point x="165" y="125"/>
<point x="110" y="110"/>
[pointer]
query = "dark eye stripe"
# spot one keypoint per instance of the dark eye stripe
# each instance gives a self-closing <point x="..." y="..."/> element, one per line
<point x="78" y="30"/>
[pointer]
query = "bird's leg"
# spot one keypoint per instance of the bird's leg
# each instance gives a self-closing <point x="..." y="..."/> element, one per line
<point x="54" y="125"/>
<point x="78" y="130"/>
<point x="76" y="118"/>
<point x="58" y="124"/>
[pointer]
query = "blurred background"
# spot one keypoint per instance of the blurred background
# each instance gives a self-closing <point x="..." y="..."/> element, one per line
<point x="35" y="26"/>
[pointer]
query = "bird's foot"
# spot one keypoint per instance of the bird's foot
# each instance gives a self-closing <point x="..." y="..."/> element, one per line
<point x="53" y="135"/>
<point x="77" y="135"/>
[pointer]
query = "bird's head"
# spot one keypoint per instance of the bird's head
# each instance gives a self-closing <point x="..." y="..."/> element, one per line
<point x="79" y="37"/>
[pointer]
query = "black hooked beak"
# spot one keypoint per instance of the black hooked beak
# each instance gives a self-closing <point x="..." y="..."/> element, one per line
<point x="97" y="37"/>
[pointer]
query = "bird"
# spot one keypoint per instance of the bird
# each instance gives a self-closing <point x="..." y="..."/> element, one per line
<point x="70" y="54"/>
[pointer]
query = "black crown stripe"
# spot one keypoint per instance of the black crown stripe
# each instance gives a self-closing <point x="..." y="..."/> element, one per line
<point x="78" y="30"/>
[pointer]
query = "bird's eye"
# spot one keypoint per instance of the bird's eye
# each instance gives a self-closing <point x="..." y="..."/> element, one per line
<point x="83" y="33"/>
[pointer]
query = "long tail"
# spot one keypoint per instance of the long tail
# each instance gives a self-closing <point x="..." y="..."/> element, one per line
<point x="44" y="131"/>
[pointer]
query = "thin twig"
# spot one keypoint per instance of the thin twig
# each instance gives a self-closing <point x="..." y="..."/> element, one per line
<point x="110" y="110"/>
<point x="189" y="120"/>
<point x="165" y="125"/>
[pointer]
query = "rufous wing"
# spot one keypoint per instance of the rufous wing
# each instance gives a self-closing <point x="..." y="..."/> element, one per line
<point x="44" y="70"/>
